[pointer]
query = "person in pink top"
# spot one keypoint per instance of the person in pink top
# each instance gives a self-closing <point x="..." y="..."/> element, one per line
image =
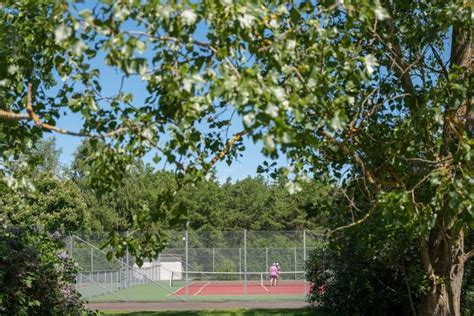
<point x="273" y="274"/>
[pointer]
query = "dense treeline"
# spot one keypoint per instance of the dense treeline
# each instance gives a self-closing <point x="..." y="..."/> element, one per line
<point x="63" y="200"/>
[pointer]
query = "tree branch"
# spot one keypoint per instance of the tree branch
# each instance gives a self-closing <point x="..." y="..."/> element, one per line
<point x="13" y="116"/>
<point x="32" y="116"/>
<point x="440" y="62"/>
<point x="461" y="55"/>
<point x="469" y="255"/>
<point x="367" y="173"/>
<point x="171" y="39"/>
<point x="461" y="47"/>
<point x="192" y="41"/>
<point x="351" y="203"/>
<point x="426" y="260"/>
<point x="397" y="57"/>
<point x="360" y="221"/>
<point x="229" y="145"/>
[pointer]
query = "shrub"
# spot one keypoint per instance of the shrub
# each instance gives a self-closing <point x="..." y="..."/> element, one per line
<point x="348" y="281"/>
<point x="36" y="276"/>
<point x="467" y="303"/>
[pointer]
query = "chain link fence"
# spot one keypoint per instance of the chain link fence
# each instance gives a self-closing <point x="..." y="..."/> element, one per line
<point x="198" y="265"/>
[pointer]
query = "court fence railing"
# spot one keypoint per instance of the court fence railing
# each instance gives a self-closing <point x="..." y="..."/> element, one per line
<point x="220" y="255"/>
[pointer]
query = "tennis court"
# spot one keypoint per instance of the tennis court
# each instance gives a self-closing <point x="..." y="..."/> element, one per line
<point x="209" y="286"/>
<point x="242" y="284"/>
<point x="203" y="288"/>
<point x="239" y="271"/>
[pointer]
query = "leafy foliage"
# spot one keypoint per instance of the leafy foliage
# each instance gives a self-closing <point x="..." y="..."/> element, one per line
<point x="57" y="205"/>
<point x="370" y="94"/>
<point x="36" y="276"/>
<point x="358" y="273"/>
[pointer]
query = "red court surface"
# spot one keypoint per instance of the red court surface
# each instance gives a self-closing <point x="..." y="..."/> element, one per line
<point x="231" y="288"/>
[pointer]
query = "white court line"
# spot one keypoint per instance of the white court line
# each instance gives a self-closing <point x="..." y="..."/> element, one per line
<point x="179" y="289"/>
<point x="201" y="288"/>
<point x="264" y="287"/>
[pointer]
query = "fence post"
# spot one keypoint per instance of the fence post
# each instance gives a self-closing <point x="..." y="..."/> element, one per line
<point x="71" y="241"/>
<point x="240" y="263"/>
<point x="296" y="267"/>
<point x="266" y="259"/>
<point x="159" y="267"/>
<point x="245" y="263"/>
<point x="92" y="259"/>
<point x="127" y="269"/>
<point x="186" y="260"/>
<point x="213" y="258"/>
<point x="119" y="279"/>
<point x="304" y="259"/>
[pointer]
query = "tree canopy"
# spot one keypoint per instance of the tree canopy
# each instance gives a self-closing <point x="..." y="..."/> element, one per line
<point x="372" y="94"/>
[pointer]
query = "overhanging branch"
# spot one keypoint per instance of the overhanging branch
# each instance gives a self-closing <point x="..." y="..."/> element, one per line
<point x="367" y="173"/>
<point x="32" y="116"/>
<point x="440" y="62"/>
<point x="469" y="255"/>
<point x="13" y="116"/>
<point x="227" y="147"/>
<point x="207" y="45"/>
<point x="358" y="222"/>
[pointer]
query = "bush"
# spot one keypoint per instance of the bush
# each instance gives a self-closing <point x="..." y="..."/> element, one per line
<point x="36" y="276"/>
<point x="348" y="281"/>
<point x="467" y="303"/>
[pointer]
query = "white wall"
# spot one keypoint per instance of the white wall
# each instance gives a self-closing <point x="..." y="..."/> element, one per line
<point x="157" y="271"/>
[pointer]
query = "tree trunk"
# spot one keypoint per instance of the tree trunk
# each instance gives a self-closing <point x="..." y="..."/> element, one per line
<point x="443" y="260"/>
<point x="442" y="253"/>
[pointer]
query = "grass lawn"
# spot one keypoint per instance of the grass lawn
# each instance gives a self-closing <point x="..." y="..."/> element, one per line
<point x="231" y="312"/>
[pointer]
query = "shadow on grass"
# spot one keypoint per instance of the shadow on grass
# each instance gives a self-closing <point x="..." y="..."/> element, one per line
<point x="231" y="312"/>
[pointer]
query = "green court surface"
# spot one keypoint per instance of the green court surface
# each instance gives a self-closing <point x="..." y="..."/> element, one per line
<point x="93" y="290"/>
<point x="155" y="293"/>
<point x="146" y="293"/>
